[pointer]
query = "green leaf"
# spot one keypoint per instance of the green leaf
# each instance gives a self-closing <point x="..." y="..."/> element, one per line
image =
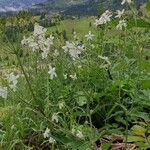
<point x="106" y="145"/>
<point x="145" y="65"/>
<point x="138" y="130"/>
<point x="143" y="146"/>
<point x="147" y="94"/>
<point x="146" y="83"/>
<point x="136" y="139"/>
<point x="141" y="115"/>
<point x="70" y="141"/>
<point x="75" y="143"/>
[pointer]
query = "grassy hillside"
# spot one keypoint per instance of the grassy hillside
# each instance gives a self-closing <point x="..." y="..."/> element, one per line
<point x="81" y="26"/>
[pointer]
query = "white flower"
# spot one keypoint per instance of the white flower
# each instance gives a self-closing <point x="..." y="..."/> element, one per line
<point x="74" y="35"/>
<point x="79" y="67"/>
<point x="92" y="46"/>
<point x="105" y="17"/>
<point x="3" y="92"/>
<point x="97" y="22"/>
<point x="65" y="76"/>
<point x="89" y="36"/>
<point x="12" y="79"/>
<point x="52" y="72"/>
<point x="73" y="49"/>
<point x="55" y="118"/>
<point x="46" y="133"/>
<point x="52" y="140"/>
<point x="38" y="41"/>
<point x="73" y="131"/>
<point x="13" y="127"/>
<point x="45" y="53"/>
<point x="73" y="77"/>
<point x="24" y="41"/>
<point x="123" y="2"/>
<point x="119" y="13"/>
<point x="122" y="23"/>
<point x="33" y="45"/>
<point x="126" y="1"/>
<point x="61" y="105"/>
<point x="79" y="134"/>
<point x="39" y="30"/>
<point x="49" y="41"/>
<point x="68" y="46"/>
<point x="105" y="59"/>
<point x="56" y="53"/>
<point x="74" y="53"/>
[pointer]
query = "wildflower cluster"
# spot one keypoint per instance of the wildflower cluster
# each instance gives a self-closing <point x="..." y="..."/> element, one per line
<point x="3" y="92"/>
<point x="12" y="79"/>
<point x="12" y="84"/>
<point x="122" y="24"/>
<point x="74" y="49"/>
<point x="47" y="134"/>
<point x="38" y="41"/>
<point x="107" y="16"/>
<point x="77" y="133"/>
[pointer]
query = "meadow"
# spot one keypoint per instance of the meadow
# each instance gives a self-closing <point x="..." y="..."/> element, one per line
<point x="80" y="84"/>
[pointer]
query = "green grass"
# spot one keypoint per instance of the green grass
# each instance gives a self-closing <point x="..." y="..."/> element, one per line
<point x="81" y="26"/>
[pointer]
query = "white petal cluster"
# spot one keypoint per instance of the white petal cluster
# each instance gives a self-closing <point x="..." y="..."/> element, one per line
<point x="105" y="17"/>
<point x="74" y="35"/>
<point x="52" y="72"/>
<point x="46" y="134"/>
<point x="13" y="80"/>
<point x="89" y="36"/>
<point x="122" y="24"/>
<point x="120" y="13"/>
<point x="52" y="140"/>
<point x="39" y="30"/>
<point x="73" y="76"/>
<point x="77" y="133"/>
<point x="56" y="53"/>
<point x="38" y="41"/>
<point x="74" y="49"/>
<point x="126" y="1"/>
<point x="65" y="76"/>
<point x="55" y="118"/>
<point x="3" y="92"/>
<point x="61" y="104"/>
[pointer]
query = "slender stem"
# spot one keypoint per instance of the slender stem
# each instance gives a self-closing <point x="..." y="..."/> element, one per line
<point x="26" y="77"/>
<point x="126" y="132"/>
<point x="53" y="146"/>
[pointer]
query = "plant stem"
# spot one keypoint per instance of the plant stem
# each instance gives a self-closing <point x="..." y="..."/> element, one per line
<point x="26" y="77"/>
<point x="126" y="132"/>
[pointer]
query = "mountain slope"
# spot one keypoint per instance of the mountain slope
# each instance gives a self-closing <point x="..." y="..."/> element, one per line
<point x="69" y="7"/>
<point x="81" y="7"/>
<point x="14" y="5"/>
